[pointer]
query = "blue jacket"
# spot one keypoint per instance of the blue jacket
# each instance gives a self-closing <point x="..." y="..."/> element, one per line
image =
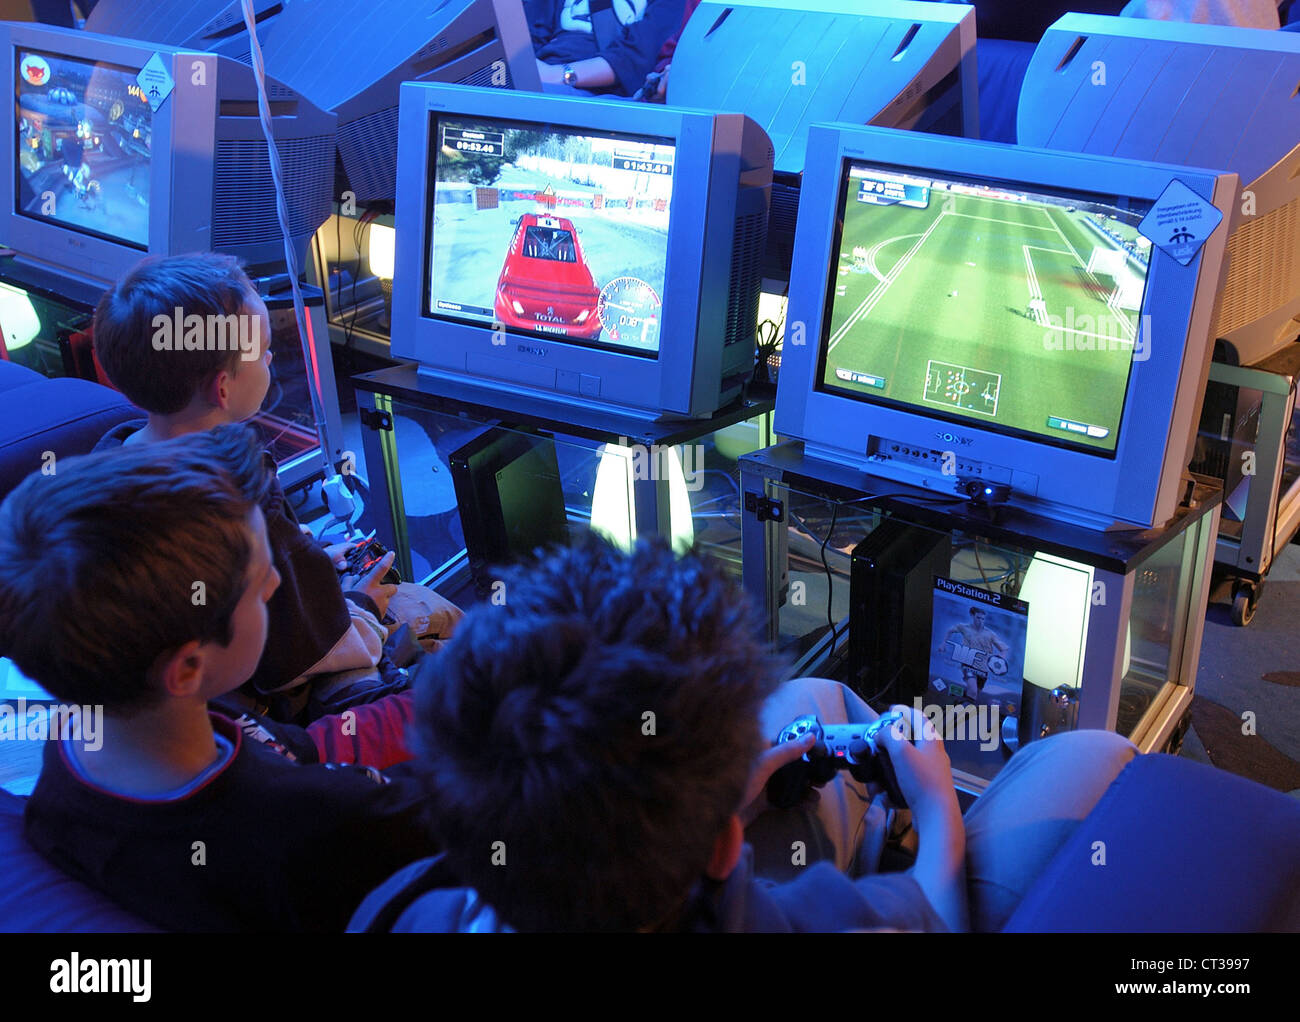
<point x="425" y="898"/>
<point x="561" y="38"/>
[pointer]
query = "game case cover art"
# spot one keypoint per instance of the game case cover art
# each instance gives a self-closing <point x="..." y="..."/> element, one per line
<point x="978" y="648"/>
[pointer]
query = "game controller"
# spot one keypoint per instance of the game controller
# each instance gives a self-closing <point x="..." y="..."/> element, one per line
<point x="851" y="747"/>
<point x="365" y="556"/>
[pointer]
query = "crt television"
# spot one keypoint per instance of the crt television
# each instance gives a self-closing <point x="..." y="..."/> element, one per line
<point x="351" y="56"/>
<point x="114" y="150"/>
<point x="215" y="26"/>
<point x="973" y="316"/>
<point x="791" y="63"/>
<point x="591" y="253"/>
<point x="1206" y="96"/>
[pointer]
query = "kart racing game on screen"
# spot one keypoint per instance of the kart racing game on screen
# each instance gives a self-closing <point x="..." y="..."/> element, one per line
<point x="974" y="300"/>
<point x="551" y="231"/>
<point x="83" y="146"/>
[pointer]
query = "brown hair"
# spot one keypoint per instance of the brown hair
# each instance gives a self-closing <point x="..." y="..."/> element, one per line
<point x="99" y="560"/>
<point x="534" y="729"/>
<point x="164" y="382"/>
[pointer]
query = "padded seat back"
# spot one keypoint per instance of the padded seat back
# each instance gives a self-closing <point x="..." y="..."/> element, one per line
<point x="64" y="416"/>
<point x="1188" y="849"/>
<point x="37" y="897"/>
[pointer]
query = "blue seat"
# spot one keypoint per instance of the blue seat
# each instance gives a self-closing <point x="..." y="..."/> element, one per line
<point x="66" y="416"/>
<point x="1188" y="849"/>
<point x="39" y="898"/>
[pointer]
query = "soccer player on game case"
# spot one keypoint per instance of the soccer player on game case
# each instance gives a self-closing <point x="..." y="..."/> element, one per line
<point x="978" y="637"/>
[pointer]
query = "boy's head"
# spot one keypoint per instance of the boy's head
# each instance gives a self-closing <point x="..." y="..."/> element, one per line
<point x="139" y="573"/>
<point x="601" y="724"/>
<point x="186" y="330"/>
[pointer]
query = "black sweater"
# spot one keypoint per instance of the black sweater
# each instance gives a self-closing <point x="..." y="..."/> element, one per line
<point x="265" y="844"/>
<point x="308" y="614"/>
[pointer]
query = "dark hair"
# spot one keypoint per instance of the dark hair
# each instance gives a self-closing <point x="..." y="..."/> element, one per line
<point x="164" y="382"/>
<point x="535" y="731"/>
<point x="98" y="561"/>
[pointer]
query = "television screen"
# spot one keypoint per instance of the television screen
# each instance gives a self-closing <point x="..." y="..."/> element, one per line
<point x="547" y="230"/>
<point x="969" y="299"/>
<point x="84" y="132"/>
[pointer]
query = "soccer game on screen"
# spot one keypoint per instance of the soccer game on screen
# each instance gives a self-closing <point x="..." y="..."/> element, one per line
<point x="979" y="301"/>
<point x="551" y="231"/>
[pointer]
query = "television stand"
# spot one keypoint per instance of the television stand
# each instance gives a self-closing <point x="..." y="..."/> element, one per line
<point x="415" y="428"/>
<point x="1104" y="628"/>
<point x="1249" y="440"/>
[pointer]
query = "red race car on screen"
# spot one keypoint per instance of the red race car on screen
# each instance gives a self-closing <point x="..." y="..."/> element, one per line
<point x="545" y="284"/>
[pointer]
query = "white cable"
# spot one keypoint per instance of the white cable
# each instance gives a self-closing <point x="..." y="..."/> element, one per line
<point x="282" y="214"/>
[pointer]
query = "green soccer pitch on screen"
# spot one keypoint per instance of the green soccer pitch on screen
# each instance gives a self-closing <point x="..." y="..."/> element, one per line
<point x="984" y="320"/>
<point x="962" y="297"/>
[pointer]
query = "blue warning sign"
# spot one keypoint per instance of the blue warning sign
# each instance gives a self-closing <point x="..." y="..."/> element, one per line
<point x="1180" y="222"/>
<point x="155" y="82"/>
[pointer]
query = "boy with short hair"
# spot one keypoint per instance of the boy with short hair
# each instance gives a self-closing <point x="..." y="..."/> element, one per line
<point x="593" y="750"/>
<point x="188" y="340"/>
<point x="139" y="581"/>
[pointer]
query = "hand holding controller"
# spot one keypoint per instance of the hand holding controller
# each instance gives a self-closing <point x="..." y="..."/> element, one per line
<point x="365" y="556"/>
<point x="838" y="747"/>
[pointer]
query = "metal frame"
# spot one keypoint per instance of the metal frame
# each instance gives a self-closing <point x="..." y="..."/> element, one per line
<point x="1269" y="524"/>
<point x="379" y="392"/>
<point x="1115" y="560"/>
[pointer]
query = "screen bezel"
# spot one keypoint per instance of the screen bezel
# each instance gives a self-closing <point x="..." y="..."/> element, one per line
<point x="430" y="197"/>
<point x="1139" y="486"/>
<point x="91" y="63"/>
<point x="847" y="164"/>
<point x="687" y="379"/>
<point x="183" y="124"/>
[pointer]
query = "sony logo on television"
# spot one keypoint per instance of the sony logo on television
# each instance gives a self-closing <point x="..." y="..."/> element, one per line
<point x="532" y="349"/>
<point x="75" y="242"/>
<point x="953" y="438"/>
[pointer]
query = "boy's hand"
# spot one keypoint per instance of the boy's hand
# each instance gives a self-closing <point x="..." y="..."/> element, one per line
<point x="768" y="763"/>
<point x="338" y="552"/>
<point x="925" y="775"/>
<point x="924" y="770"/>
<point x="370" y="583"/>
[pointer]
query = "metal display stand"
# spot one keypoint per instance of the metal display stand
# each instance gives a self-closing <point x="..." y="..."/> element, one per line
<point x="1141" y="620"/>
<point x="1249" y="452"/>
<point x="444" y="406"/>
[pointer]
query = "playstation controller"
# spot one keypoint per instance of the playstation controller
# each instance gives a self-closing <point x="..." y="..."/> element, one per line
<point x="365" y="556"/>
<point x="852" y="747"/>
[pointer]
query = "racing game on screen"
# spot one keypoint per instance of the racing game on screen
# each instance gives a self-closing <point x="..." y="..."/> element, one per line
<point x="83" y="146"/>
<point x="979" y="301"/>
<point x="550" y="231"/>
